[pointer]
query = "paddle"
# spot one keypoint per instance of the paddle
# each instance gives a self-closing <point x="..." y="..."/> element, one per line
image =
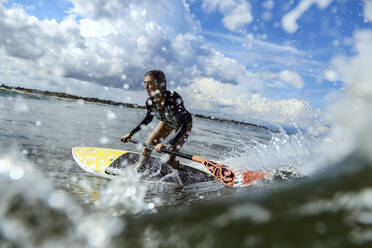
<point x="227" y="176"/>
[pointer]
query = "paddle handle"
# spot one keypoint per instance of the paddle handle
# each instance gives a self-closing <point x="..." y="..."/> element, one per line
<point x="179" y="154"/>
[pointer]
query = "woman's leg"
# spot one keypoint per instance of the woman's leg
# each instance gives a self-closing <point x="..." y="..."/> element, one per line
<point x="161" y="131"/>
<point x="175" y="164"/>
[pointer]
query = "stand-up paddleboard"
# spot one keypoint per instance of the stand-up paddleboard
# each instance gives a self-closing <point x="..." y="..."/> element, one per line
<point x="108" y="163"/>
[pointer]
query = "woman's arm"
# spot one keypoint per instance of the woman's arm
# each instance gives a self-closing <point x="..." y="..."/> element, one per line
<point x="148" y="118"/>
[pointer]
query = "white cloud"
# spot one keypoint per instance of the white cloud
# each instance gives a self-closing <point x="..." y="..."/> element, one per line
<point x="98" y="42"/>
<point x="368" y="10"/>
<point x="270" y="4"/>
<point x="139" y="12"/>
<point x="237" y="13"/>
<point x="222" y="5"/>
<point x="108" y="40"/>
<point x="289" y="21"/>
<point x="238" y="17"/>
<point x="292" y="78"/>
<point x="100" y="49"/>
<point x="237" y="102"/>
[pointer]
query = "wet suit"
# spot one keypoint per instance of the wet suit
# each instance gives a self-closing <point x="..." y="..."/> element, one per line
<point x="179" y="119"/>
<point x="173" y="113"/>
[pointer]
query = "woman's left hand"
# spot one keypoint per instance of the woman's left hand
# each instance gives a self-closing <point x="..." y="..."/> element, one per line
<point x="159" y="146"/>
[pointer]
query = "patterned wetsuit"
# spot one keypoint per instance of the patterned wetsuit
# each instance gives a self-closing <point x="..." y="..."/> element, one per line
<point x="173" y="112"/>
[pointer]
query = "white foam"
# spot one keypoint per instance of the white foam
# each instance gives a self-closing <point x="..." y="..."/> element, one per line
<point x="124" y="195"/>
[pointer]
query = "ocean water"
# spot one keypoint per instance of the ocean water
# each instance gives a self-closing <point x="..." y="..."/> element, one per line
<point x="318" y="192"/>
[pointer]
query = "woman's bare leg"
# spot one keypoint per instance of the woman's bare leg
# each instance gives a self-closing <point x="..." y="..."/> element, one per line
<point x="175" y="164"/>
<point x="161" y="131"/>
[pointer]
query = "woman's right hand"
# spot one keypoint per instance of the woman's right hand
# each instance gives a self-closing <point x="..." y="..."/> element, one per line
<point x="126" y="137"/>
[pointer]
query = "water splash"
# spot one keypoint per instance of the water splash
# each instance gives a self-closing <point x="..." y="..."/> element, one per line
<point x="350" y="118"/>
<point x="125" y="195"/>
<point x="284" y="155"/>
<point x="35" y="214"/>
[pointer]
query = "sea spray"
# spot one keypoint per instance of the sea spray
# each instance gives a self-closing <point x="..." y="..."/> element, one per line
<point x="283" y="154"/>
<point x="345" y="154"/>
<point x="351" y="118"/>
<point x="35" y="214"/>
<point x="125" y="195"/>
<point x="310" y="151"/>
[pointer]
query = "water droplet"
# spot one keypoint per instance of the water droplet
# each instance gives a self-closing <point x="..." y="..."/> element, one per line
<point x="16" y="172"/>
<point x="57" y="199"/>
<point x="21" y="107"/>
<point x="5" y="164"/>
<point x="103" y="140"/>
<point x="110" y="115"/>
<point x="151" y="205"/>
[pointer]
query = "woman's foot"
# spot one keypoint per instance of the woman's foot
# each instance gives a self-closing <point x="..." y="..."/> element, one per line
<point x="141" y="166"/>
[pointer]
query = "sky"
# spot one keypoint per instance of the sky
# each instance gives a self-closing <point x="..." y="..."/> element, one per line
<point x="248" y="60"/>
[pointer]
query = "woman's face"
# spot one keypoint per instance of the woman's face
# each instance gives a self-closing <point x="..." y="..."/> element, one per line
<point x="152" y="88"/>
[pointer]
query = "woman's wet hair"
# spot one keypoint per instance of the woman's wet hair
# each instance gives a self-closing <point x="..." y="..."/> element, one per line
<point x="159" y="77"/>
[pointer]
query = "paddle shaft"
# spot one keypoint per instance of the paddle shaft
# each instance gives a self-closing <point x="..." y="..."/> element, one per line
<point x="179" y="154"/>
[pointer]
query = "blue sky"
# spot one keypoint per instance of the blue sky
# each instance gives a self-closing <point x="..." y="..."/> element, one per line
<point x="318" y="29"/>
<point x="43" y="9"/>
<point x="248" y="45"/>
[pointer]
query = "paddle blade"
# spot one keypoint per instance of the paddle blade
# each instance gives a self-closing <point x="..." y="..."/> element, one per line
<point x="228" y="176"/>
<point x="248" y="177"/>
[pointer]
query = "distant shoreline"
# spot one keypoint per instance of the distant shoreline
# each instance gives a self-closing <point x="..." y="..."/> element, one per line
<point x="109" y="102"/>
